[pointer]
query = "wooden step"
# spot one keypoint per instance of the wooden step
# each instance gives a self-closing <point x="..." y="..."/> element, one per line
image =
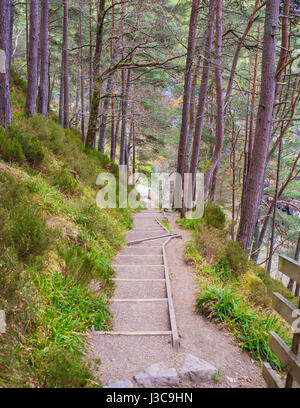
<point x="140" y="300"/>
<point x="133" y="333"/>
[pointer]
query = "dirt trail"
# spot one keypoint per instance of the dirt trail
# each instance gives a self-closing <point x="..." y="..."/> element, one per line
<point x="124" y="356"/>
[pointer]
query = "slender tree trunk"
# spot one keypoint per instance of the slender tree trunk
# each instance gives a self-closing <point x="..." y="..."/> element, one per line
<point x="91" y="72"/>
<point x="44" y="72"/>
<point x="125" y="103"/>
<point x="116" y="134"/>
<point x="262" y="135"/>
<point x="261" y="235"/>
<point x="27" y="29"/>
<point x="220" y="101"/>
<point x="257" y="7"/>
<point x="77" y="97"/>
<point x="61" y="94"/>
<point x="192" y="115"/>
<point x="214" y="183"/>
<point x="253" y="101"/>
<point x="11" y="29"/>
<point x="65" y="58"/>
<point x="112" y="102"/>
<point x="82" y="79"/>
<point x="32" y="68"/>
<point x="203" y="92"/>
<point x="133" y="151"/>
<point x="5" y="109"/>
<point x="109" y="86"/>
<point x="187" y="85"/>
<point x="279" y="73"/>
<point x="233" y="166"/>
<point x="275" y="200"/>
<point x="92" y="127"/>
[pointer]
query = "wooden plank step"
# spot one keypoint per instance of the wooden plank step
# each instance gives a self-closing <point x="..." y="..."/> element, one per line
<point x="135" y="333"/>
<point x="131" y="255"/>
<point x="139" y="266"/>
<point x="138" y="280"/>
<point x="149" y="239"/>
<point x="152" y="246"/>
<point x="140" y="300"/>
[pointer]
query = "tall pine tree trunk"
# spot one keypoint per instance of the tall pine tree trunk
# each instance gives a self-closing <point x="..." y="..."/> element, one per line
<point x="203" y="92"/>
<point x="109" y="86"/>
<point x="65" y="58"/>
<point x="187" y="85"/>
<point x="5" y="110"/>
<point x="82" y="79"/>
<point x="92" y="128"/>
<point x="255" y="178"/>
<point x="61" y="94"/>
<point x="125" y="103"/>
<point x="220" y="101"/>
<point x="32" y="67"/>
<point x="44" y="72"/>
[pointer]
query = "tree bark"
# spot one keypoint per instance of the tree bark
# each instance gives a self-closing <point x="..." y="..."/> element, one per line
<point x="32" y="68"/>
<point x="187" y="85"/>
<point x="81" y="79"/>
<point x="65" y="57"/>
<point x="92" y="127"/>
<point x="255" y="179"/>
<point x="257" y="7"/>
<point x="220" y="101"/>
<point x="279" y="73"/>
<point x="91" y="73"/>
<point x="109" y="86"/>
<point x="203" y="92"/>
<point x="275" y="200"/>
<point x="61" y="94"/>
<point x="125" y="103"/>
<point x="5" y="109"/>
<point x="44" y="71"/>
<point x="192" y="115"/>
<point x="116" y="134"/>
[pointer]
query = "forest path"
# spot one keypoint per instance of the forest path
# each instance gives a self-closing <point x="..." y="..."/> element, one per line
<point x="124" y="356"/>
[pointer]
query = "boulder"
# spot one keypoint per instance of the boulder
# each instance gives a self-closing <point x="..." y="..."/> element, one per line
<point x="143" y="379"/>
<point x="120" y="384"/>
<point x="197" y="370"/>
<point x="157" y="375"/>
<point x="160" y="374"/>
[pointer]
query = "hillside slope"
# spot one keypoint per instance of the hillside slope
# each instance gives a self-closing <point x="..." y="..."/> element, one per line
<point x="56" y="248"/>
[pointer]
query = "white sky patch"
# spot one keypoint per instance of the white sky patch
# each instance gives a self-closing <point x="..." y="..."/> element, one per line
<point x="2" y="62"/>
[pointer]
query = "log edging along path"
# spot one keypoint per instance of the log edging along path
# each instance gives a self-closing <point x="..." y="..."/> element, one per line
<point x="169" y="299"/>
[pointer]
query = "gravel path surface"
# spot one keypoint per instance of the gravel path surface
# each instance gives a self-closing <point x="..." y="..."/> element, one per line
<point x="124" y="356"/>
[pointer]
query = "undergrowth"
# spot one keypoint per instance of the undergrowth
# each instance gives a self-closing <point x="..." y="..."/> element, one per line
<point x="56" y="246"/>
<point x="233" y="290"/>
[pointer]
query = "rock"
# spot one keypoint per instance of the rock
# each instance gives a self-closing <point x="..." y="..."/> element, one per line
<point x="159" y="375"/>
<point x="120" y="384"/>
<point x="197" y="370"/>
<point x="143" y="379"/>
